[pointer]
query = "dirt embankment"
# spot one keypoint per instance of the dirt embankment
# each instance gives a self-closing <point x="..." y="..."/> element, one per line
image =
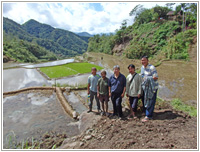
<point x="6" y="59"/>
<point x="169" y="130"/>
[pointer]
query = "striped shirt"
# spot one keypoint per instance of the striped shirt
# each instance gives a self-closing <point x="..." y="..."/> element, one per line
<point x="150" y="70"/>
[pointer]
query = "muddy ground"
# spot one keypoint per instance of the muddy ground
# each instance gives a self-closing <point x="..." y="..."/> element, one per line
<point x="169" y="130"/>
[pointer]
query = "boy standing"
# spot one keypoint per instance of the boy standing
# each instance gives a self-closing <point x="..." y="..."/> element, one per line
<point x="103" y="92"/>
<point x="133" y="89"/>
<point x="92" y="89"/>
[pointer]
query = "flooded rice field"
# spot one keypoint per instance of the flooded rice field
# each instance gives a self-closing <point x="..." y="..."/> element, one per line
<point x="74" y="101"/>
<point x="84" y="97"/>
<point x="29" y="65"/>
<point x="18" y="78"/>
<point x="178" y="79"/>
<point x="31" y="114"/>
<point x="53" y="63"/>
<point x="28" y="115"/>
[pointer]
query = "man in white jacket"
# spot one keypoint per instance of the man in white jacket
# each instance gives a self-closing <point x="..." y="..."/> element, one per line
<point x="133" y="89"/>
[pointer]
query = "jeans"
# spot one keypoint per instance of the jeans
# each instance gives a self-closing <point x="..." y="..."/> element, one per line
<point x="117" y="106"/>
<point x="133" y="103"/>
<point x="92" y="95"/>
<point x="149" y="111"/>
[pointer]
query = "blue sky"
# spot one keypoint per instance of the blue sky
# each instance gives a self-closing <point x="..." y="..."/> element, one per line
<point x="94" y="18"/>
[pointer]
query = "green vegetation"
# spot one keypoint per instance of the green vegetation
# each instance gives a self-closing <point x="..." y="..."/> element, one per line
<point x="24" y="51"/>
<point x="178" y="45"/>
<point x="103" y="43"/>
<point x="68" y="69"/>
<point x="57" y="43"/>
<point x="178" y="105"/>
<point x="152" y="33"/>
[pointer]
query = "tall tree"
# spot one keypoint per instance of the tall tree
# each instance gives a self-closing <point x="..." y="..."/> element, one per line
<point x="170" y="5"/>
<point x="136" y="11"/>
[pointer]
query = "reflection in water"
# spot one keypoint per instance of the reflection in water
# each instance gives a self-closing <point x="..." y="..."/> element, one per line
<point x="14" y="64"/>
<point x="32" y="117"/>
<point x="75" y="102"/>
<point x="53" y="63"/>
<point x="78" y="80"/>
<point x="14" y="79"/>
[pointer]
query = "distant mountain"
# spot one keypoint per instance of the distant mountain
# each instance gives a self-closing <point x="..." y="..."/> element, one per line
<point x="85" y="34"/>
<point x="63" y="43"/>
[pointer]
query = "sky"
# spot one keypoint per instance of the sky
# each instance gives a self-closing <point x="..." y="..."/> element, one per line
<point x="94" y="18"/>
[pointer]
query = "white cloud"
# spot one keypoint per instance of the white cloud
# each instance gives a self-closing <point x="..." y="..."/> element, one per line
<point x="74" y="16"/>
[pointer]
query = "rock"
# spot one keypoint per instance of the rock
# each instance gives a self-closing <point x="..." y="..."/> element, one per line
<point x="89" y="131"/>
<point x="81" y="143"/>
<point x="75" y="115"/>
<point x="102" y="137"/>
<point x="68" y="89"/>
<point x="87" y="120"/>
<point x="88" y="137"/>
<point x="62" y="89"/>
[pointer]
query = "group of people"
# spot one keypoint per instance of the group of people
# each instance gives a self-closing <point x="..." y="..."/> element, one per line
<point x="135" y="86"/>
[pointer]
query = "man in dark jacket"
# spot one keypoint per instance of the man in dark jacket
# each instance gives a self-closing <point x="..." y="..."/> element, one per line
<point x="117" y="88"/>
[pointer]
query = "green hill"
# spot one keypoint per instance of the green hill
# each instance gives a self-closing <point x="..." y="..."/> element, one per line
<point x="55" y="42"/>
<point x="85" y="34"/>
<point x="152" y="34"/>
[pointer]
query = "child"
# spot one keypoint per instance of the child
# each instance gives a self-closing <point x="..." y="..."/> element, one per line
<point x="103" y="92"/>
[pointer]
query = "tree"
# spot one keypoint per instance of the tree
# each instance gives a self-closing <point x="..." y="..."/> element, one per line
<point x="170" y="5"/>
<point x="123" y="27"/>
<point x="161" y="11"/>
<point x="136" y="11"/>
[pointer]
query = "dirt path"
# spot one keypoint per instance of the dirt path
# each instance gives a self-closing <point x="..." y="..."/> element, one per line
<point x="168" y="130"/>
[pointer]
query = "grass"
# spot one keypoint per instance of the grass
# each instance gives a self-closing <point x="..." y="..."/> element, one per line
<point x="68" y="69"/>
<point x="179" y="105"/>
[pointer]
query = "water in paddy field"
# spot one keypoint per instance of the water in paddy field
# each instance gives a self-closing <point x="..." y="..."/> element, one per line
<point x="28" y="115"/>
<point x="29" y="65"/>
<point x="84" y="96"/>
<point x="18" y="78"/>
<point x="75" y="102"/>
<point x="53" y="63"/>
<point x="14" y="64"/>
<point x="23" y="77"/>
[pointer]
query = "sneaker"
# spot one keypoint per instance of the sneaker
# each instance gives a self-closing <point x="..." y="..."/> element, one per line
<point x="145" y="119"/>
<point x="120" y="118"/>
<point x="107" y="114"/>
<point x="102" y="113"/>
<point x="99" y="110"/>
<point x="113" y="114"/>
<point x="89" y="111"/>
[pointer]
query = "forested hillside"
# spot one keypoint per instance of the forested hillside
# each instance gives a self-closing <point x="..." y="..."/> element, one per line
<point x="21" y="42"/>
<point x="159" y="30"/>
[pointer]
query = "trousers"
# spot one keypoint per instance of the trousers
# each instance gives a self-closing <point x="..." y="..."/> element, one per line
<point x="92" y="95"/>
<point x="149" y="111"/>
<point x="117" y="106"/>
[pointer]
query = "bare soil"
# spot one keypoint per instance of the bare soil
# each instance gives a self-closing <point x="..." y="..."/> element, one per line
<point x="169" y="130"/>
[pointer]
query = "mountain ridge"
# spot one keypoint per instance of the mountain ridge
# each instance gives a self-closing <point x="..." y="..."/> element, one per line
<point x="60" y="42"/>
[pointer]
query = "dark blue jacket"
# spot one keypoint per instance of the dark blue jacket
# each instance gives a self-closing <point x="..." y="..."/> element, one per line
<point x="117" y="85"/>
